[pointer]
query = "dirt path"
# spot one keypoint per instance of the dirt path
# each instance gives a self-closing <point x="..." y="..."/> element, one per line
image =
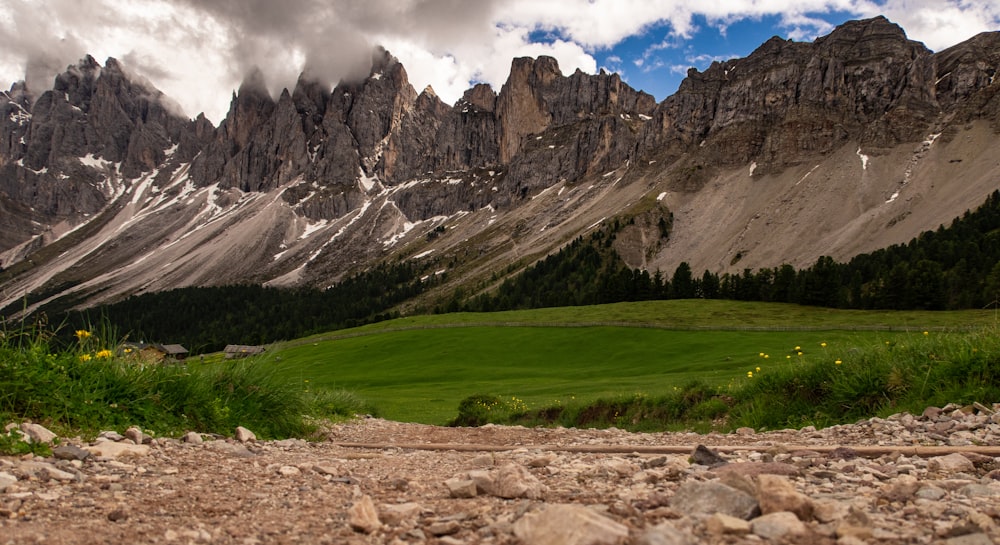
<point x="375" y="481"/>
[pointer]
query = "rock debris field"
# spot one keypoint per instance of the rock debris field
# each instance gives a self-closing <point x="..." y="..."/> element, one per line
<point x="929" y="478"/>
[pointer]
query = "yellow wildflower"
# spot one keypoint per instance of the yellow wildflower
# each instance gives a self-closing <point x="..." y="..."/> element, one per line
<point x="104" y="354"/>
<point x="82" y="334"/>
<point x="84" y="357"/>
<point x="749" y="374"/>
<point x="823" y="345"/>
<point x="838" y="362"/>
<point x="758" y="369"/>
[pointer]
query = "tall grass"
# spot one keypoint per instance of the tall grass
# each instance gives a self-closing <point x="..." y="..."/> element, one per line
<point x="817" y="385"/>
<point x="95" y="384"/>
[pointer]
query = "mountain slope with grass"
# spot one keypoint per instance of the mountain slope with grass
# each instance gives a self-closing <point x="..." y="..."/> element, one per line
<point x="854" y="142"/>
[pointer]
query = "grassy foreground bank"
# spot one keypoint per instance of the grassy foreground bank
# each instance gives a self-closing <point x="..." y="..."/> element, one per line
<point x="97" y="385"/>
<point x="645" y="366"/>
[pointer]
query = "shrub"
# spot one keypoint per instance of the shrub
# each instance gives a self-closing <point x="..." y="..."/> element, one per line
<point x="87" y="386"/>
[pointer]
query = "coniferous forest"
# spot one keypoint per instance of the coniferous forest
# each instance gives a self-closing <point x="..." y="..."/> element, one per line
<point x="207" y="319"/>
<point x="953" y="267"/>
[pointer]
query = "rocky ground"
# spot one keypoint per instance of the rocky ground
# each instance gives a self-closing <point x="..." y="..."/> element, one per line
<point x="930" y="478"/>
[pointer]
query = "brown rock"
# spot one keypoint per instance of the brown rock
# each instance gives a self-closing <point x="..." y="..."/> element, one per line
<point x="560" y="524"/>
<point x="776" y="494"/>
<point x="721" y="524"/>
<point x="363" y="517"/>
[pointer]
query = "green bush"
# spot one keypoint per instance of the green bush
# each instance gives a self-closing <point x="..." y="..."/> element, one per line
<point x="480" y="409"/>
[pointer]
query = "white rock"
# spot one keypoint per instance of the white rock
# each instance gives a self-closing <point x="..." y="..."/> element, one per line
<point x="326" y="469"/>
<point x="57" y="474"/>
<point x="722" y="524"/>
<point x="395" y="513"/>
<point x="776" y="493"/>
<point x="665" y="534"/>
<point x="514" y="481"/>
<point x="952" y="463"/>
<point x="244" y="435"/>
<point x="37" y="433"/>
<point x="6" y="480"/>
<point x="560" y="524"/>
<point x="136" y="435"/>
<point x="111" y="449"/>
<point x="461" y="488"/>
<point x="363" y="517"/>
<point x="971" y="539"/>
<point x="483" y="460"/>
<point x="777" y="525"/>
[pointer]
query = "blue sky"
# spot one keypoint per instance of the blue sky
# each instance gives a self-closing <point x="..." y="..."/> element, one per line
<point x="198" y="51"/>
<point x="656" y="60"/>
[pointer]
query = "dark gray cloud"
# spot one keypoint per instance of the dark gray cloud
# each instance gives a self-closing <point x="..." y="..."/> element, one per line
<point x="336" y="37"/>
<point x="37" y="37"/>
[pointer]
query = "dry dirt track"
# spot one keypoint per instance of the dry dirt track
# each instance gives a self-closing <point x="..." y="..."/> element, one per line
<point x="368" y="482"/>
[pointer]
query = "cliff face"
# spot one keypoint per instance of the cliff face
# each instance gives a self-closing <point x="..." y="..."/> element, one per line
<point x="864" y="83"/>
<point x="316" y="183"/>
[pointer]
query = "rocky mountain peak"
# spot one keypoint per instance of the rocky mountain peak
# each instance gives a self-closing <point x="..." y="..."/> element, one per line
<point x="969" y="69"/>
<point x="870" y="39"/>
<point x="482" y="96"/>
<point x="251" y="105"/>
<point x="521" y="105"/>
<point x="371" y="159"/>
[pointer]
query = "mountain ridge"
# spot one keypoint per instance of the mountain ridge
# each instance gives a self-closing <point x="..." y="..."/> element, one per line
<point x="314" y="184"/>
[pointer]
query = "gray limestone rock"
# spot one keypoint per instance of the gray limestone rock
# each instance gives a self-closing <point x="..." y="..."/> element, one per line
<point x="713" y="497"/>
<point x="950" y="464"/>
<point x="37" y="433"/>
<point x="704" y="456"/>
<point x="70" y="452"/>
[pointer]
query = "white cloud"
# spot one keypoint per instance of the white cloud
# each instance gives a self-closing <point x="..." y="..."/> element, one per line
<point x="941" y="24"/>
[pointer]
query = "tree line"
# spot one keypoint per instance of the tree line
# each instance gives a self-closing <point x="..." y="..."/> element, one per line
<point x="207" y="319"/>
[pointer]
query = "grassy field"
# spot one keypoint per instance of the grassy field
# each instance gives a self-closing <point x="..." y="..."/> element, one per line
<point x="655" y="366"/>
<point x="419" y="369"/>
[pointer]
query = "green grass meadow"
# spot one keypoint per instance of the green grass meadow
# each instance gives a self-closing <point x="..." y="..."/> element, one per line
<point x="653" y="366"/>
<point x="419" y="369"/>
